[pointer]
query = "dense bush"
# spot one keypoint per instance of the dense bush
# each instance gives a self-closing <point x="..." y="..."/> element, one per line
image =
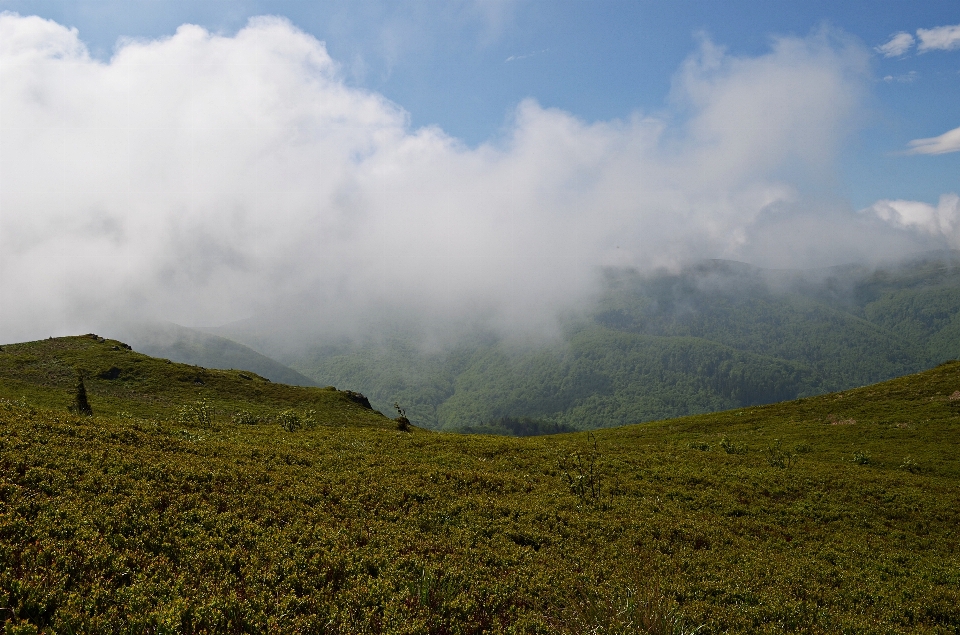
<point x="138" y="524"/>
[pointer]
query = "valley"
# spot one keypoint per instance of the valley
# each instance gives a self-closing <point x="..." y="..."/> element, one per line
<point x="713" y="336"/>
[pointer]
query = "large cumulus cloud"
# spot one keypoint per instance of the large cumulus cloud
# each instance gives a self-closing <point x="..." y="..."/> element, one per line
<point x="941" y="221"/>
<point x="204" y="178"/>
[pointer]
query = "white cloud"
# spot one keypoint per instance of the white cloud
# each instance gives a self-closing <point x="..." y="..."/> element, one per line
<point x="941" y="38"/>
<point x="897" y="46"/>
<point x="940" y="221"/>
<point x="203" y="178"/>
<point x="514" y="58"/>
<point x="947" y="142"/>
<point x="906" y="78"/>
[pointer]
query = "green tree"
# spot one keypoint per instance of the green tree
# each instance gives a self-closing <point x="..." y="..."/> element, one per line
<point x="81" y="405"/>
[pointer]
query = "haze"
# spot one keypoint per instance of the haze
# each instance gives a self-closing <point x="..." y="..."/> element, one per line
<point x="206" y="178"/>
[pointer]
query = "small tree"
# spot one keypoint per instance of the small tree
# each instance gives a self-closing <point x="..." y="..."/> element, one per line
<point x="81" y="405"/>
<point x="403" y="424"/>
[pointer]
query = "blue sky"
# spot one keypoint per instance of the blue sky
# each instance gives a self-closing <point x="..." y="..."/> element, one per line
<point x="466" y="65"/>
<point x="455" y="162"/>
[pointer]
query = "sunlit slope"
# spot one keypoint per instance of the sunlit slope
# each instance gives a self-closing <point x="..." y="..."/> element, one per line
<point x="838" y="513"/>
<point x="191" y="346"/>
<point x="120" y="380"/>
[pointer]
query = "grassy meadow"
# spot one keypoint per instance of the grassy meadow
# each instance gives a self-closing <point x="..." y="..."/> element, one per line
<point x="202" y="501"/>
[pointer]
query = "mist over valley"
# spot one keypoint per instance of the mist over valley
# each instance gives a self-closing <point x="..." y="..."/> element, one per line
<point x="712" y="336"/>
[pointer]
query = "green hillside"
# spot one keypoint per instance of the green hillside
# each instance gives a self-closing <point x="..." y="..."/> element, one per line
<point x="837" y="513"/>
<point x="191" y="346"/>
<point x="120" y="381"/>
<point x="713" y="336"/>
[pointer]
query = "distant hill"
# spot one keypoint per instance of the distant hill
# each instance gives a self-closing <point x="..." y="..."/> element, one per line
<point x="191" y="346"/>
<point x="715" y="335"/>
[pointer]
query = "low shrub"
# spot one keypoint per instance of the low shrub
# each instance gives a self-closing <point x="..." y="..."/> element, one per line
<point x="245" y="417"/>
<point x="777" y="456"/>
<point x="731" y="447"/>
<point x="289" y="420"/>
<point x="197" y="413"/>
<point x="910" y="465"/>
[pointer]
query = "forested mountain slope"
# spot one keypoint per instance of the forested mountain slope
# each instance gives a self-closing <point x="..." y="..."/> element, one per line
<point x="715" y="335"/>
